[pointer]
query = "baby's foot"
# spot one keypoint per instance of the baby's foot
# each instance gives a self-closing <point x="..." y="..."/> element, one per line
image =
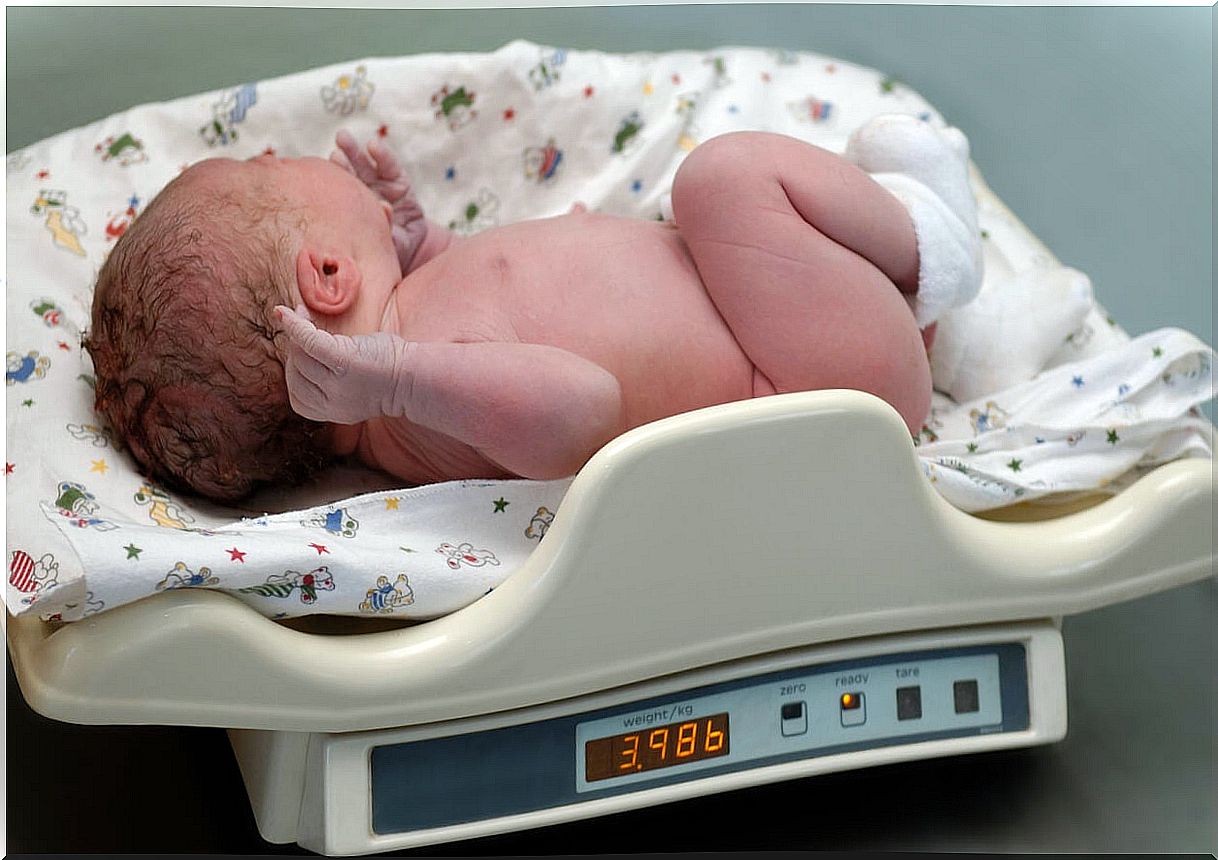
<point x="936" y="157"/>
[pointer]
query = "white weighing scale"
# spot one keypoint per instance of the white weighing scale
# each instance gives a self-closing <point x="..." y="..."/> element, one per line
<point x="748" y="593"/>
<point x="782" y="717"/>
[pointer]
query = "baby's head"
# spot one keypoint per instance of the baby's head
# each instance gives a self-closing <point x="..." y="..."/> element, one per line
<point x="188" y="372"/>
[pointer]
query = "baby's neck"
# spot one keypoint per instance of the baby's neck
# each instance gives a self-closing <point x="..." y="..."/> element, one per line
<point x="436" y="240"/>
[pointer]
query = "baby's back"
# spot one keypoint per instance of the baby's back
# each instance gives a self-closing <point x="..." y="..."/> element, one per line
<point x="620" y="292"/>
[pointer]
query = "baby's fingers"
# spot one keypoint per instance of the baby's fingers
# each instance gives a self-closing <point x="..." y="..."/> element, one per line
<point x="341" y="160"/>
<point x="304" y="365"/>
<point x="321" y="345"/>
<point x="387" y="166"/>
<point x="361" y="166"/>
<point x="305" y="396"/>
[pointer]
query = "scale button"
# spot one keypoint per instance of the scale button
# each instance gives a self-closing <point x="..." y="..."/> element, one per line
<point x="794" y="719"/>
<point x="965" y="694"/>
<point x="909" y="703"/>
<point x="853" y="708"/>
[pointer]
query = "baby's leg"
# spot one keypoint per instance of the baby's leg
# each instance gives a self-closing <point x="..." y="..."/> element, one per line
<point x="806" y="258"/>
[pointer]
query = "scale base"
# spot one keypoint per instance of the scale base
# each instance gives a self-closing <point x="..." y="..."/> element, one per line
<point x="334" y="793"/>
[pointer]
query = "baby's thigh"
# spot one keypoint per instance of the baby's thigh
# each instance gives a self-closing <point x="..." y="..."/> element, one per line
<point x="808" y="311"/>
<point x="854" y="343"/>
<point x="811" y="315"/>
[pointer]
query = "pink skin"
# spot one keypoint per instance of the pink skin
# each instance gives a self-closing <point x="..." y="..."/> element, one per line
<point x="523" y="349"/>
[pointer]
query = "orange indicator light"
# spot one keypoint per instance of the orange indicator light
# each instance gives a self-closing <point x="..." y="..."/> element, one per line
<point x="850" y="701"/>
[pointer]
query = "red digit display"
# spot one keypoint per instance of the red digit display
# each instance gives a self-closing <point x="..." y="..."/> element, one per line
<point x="656" y="747"/>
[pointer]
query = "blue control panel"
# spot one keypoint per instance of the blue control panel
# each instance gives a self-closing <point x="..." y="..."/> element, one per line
<point x="720" y="728"/>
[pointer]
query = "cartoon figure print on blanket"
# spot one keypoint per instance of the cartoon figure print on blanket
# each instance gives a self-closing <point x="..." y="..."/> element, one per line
<point x="183" y="577"/>
<point x="29" y="577"/>
<point x="227" y="113"/>
<point x="349" y="92"/>
<point x="62" y="221"/>
<point x="23" y="368"/>
<point x="94" y="434"/>
<point x="118" y="222"/>
<point x="386" y="596"/>
<point x="124" y="149"/>
<point x="465" y="554"/>
<point x="541" y="162"/>
<point x="454" y="106"/>
<point x="548" y="70"/>
<point x="79" y="505"/>
<point x="282" y="585"/>
<point x="335" y="521"/>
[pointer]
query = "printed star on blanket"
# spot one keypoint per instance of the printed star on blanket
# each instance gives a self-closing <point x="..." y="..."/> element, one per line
<point x="1077" y="382"/>
<point x="830" y="69"/>
<point x="8" y="468"/>
<point x="134" y="201"/>
<point x="235" y="554"/>
<point x="648" y="88"/>
<point x="43" y="174"/>
<point x="319" y="547"/>
<point x="270" y="150"/>
<point x="99" y="466"/>
<point x="382" y="131"/>
<point x="972" y="447"/>
<point x="29" y="402"/>
<point x="509" y="114"/>
<point x="391" y="503"/>
<point x="64" y="346"/>
<point x="765" y="77"/>
<point x="1113" y="438"/>
<point x="676" y="79"/>
<point x="1014" y="464"/>
<point x="501" y="505"/>
<point x="133" y="551"/>
<point x="1157" y="352"/>
<point x="588" y="91"/>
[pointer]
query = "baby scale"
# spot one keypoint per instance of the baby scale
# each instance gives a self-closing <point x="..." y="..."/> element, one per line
<point x="748" y="593"/>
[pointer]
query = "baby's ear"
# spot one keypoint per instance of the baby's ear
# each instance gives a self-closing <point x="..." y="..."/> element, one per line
<point x="329" y="283"/>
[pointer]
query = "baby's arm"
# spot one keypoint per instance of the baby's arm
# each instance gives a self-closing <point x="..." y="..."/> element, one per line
<point x="536" y="410"/>
<point x="416" y="238"/>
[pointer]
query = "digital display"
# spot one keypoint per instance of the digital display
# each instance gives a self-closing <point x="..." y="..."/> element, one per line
<point x="653" y="748"/>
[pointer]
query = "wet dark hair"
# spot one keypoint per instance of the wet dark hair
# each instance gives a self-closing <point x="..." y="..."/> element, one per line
<point x="187" y="371"/>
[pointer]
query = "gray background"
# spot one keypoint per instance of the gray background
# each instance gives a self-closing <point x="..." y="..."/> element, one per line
<point x="1093" y="125"/>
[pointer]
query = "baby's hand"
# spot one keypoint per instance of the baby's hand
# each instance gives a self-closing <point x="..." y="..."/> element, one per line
<point x="337" y="378"/>
<point x="379" y="170"/>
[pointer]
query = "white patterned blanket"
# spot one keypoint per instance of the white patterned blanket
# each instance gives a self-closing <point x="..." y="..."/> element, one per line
<point x="523" y="132"/>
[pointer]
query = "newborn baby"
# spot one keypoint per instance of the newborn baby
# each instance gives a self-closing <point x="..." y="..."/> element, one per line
<point x="262" y="317"/>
